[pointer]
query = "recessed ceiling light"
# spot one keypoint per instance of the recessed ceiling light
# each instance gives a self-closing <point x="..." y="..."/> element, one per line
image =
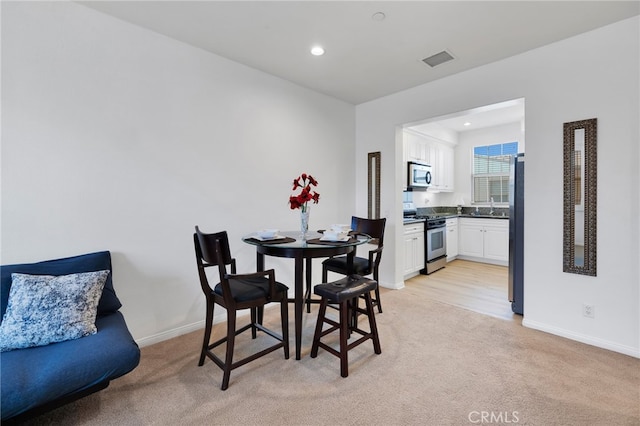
<point x="317" y="51"/>
<point x="467" y="124"/>
<point x="378" y="16"/>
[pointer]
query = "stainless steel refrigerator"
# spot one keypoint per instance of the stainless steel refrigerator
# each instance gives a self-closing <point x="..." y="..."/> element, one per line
<point x="516" y="233"/>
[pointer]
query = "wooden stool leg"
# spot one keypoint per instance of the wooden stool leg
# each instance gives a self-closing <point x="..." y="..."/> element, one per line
<point x="343" y="294"/>
<point x="344" y="335"/>
<point x="318" y="332"/>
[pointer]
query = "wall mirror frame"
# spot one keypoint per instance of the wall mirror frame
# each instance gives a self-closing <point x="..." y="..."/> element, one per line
<point x="373" y="185"/>
<point x="580" y="197"/>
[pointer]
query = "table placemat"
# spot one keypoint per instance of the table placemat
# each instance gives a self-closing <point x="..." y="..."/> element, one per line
<point x="274" y="241"/>
<point x="319" y="241"/>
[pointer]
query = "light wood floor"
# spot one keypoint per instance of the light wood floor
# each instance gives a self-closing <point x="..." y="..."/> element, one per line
<point x="479" y="287"/>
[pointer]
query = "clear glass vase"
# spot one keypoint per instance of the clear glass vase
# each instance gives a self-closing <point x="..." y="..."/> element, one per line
<point x="304" y="223"/>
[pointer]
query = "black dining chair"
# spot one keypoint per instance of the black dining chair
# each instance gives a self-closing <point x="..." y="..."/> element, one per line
<point x="361" y="266"/>
<point x="235" y="292"/>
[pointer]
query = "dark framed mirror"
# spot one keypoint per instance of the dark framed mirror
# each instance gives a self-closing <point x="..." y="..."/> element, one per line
<point x="373" y="183"/>
<point x="580" y="197"/>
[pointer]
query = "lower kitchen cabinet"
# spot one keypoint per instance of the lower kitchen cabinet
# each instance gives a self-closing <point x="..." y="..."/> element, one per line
<point x="413" y="249"/>
<point x="452" y="238"/>
<point x="484" y="240"/>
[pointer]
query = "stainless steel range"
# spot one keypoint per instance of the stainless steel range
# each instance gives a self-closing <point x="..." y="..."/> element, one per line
<point x="435" y="244"/>
<point x="435" y="238"/>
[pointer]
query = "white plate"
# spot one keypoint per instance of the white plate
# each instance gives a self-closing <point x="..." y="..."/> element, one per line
<point x="343" y="239"/>
<point x="275" y="237"/>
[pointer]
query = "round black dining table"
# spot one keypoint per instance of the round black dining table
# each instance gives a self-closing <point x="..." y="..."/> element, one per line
<point x="291" y="245"/>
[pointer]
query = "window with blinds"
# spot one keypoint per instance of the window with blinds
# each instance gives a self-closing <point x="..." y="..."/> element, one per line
<point x="491" y="172"/>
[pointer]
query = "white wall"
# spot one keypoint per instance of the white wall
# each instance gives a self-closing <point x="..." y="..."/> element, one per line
<point x="116" y="138"/>
<point x="560" y="83"/>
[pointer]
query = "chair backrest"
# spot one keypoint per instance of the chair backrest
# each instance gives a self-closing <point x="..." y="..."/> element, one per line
<point x="212" y="250"/>
<point x="207" y="247"/>
<point x="372" y="227"/>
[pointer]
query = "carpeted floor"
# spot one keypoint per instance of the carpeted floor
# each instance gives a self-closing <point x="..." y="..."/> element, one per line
<point x="440" y="365"/>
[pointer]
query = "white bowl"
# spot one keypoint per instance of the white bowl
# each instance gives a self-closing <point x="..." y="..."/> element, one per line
<point x="341" y="227"/>
<point x="334" y="235"/>
<point x="267" y="233"/>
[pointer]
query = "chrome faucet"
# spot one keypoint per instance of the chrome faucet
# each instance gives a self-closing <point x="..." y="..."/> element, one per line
<point x="491" y="211"/>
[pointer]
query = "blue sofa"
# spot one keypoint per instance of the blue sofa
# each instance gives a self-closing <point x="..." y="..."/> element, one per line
<point x="39" y="379"/>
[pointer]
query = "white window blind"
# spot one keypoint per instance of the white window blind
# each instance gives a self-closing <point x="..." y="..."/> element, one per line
<point x="491" y="172"/>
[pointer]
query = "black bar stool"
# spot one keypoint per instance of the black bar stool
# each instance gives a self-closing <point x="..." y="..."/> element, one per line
<point x="345" y="294"/>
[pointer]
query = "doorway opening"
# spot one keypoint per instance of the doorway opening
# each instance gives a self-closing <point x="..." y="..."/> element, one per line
<point x="449" y="144"/>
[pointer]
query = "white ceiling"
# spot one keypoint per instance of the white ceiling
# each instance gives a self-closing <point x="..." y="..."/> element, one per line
<point x="366" y="59"/>
<point x="477" y="118"/>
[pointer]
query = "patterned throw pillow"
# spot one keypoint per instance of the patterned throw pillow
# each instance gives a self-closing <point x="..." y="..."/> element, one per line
<point x="45" y="309"/>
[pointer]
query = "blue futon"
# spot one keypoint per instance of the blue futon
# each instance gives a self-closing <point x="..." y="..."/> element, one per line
<point x="39" y="379"/>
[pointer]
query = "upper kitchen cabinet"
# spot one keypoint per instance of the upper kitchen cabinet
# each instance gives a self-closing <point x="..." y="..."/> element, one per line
<point x="439" y="154"/>
<point x="443" y="164"/>
<point x="416" y="148"/>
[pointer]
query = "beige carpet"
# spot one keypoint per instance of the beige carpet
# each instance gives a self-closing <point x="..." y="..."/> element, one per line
<point x="440" y="365"/>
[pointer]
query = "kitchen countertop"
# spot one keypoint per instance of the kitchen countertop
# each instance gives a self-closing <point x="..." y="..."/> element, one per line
<point x="406" y="221"/>
<point x="483" y="216"/>
<point x="470" y="216"/>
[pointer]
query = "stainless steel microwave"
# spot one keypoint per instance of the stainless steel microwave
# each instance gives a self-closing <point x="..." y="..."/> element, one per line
<point x="419" y="175"/>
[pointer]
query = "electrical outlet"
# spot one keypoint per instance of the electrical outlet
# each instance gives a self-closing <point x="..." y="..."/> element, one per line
<point x="588" y="311"/>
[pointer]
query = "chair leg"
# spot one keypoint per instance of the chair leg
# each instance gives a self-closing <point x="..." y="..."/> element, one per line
<point x="231" y="339"/>
<point x="254" y="320"/>
<point x="207" y="332"/>
<point x="284" y="314"/>
<point x="372" y="324"/>
<point x="344" y="336"/>
<point x="324" y="274"/>
<point x="377" y="291"/>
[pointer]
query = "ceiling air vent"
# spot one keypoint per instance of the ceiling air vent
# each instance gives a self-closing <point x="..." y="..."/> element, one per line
<point x="438" y="58"/>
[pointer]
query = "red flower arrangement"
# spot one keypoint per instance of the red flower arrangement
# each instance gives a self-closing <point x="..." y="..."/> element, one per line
<point x="300" y="201"/>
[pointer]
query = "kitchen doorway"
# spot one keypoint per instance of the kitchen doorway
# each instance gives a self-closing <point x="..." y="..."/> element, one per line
<point x="468" y="284"/>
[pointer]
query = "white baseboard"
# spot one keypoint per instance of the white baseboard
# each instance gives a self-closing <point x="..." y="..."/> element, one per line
<point x="169" y="334"/>
<point x="183" y="329"/>
<point x="396" y="286"/>
<point x="589" y="340"/>
<point x="483" y="260"/>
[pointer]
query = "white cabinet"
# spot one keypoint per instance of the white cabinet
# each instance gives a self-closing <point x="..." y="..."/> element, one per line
<point x="484" y="240"/>
<point x="496" y="242"/>
<point x="445" y="168"/>
<point x="413" y="248"/>
<point x="439" y="155"/>
<point x="442" y="167"/>
<point x="415" y="148"/>
<point x="452" y="238"/>
<point x="471" y="238"/>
